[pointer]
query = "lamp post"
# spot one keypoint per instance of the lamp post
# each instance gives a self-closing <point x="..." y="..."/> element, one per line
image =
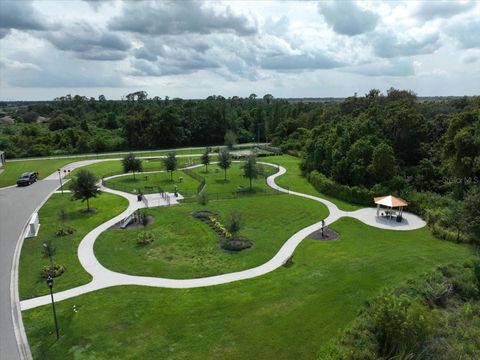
<point x="60" y="177"/>
<point x="50" y="286"/>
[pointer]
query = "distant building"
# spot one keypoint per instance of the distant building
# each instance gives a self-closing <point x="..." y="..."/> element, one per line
<point x="2" y="159"/>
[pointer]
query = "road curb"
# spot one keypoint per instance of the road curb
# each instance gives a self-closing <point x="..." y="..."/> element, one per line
<point x="19" y="329"/>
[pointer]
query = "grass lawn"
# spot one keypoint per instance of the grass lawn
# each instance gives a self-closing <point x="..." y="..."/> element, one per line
<point x="12" y="170"/>
<point x="215" y="178"/>
<point x="153" y="182"/>
<point x="287" y="314"/>
<point x="185" y="247"/>
<point x="32" y="260"/>
<point x="114" y="167"/>
<point x="295" y="181"/>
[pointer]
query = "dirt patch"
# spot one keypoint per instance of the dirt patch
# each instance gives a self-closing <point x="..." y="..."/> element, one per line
<point x="134" y="225"/>
<point x="328" y="234"/>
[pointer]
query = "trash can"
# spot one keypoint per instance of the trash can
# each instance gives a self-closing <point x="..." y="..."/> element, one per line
<point x="139" y="197"/>
<point x="399" y="218"/>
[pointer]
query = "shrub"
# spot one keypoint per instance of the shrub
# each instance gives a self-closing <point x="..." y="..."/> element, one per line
<point x="65" y="231"/>
<point x="144" y="238"/>
<point x="234" y="223"/>
<point x="53" y="270"/>
<point x="401" y="325"/>
<point x="355" y="194"/>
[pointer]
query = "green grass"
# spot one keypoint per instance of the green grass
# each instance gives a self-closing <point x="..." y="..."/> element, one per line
<point x="114" y="167"/>
<point x="12" y="170"/>
<point x="287" y="314"/>
<point x="151" y="183"/>
<point x="215" y="179"/>
<point x="185" y="247"/>
<point x="32" y="260"/>
<point x="295" y="181"/>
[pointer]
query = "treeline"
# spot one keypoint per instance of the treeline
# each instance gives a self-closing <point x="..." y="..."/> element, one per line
<point x="427" y="152"/>
<point x="76" y="124"/>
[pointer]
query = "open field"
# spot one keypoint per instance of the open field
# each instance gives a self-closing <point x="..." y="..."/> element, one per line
<point x="185" y="247"/>
<point x="286" y="314"/>
<point x="32" y="259"/>
<point x="154" y="183"/>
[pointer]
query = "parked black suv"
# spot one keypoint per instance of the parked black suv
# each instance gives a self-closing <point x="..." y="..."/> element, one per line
<point x="27" y="178"/>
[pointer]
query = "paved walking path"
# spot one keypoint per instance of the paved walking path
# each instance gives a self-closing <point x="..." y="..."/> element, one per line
<point x="104" y="278"/>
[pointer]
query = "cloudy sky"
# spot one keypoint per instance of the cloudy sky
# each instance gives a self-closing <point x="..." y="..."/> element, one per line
<point x="192" y="49"/>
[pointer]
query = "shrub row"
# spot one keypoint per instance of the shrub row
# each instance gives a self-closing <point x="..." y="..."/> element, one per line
<point x="355" y="194"/>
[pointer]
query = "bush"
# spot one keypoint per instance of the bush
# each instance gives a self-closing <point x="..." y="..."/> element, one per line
<point x="355" y="194"/>
<point x="64" y="231"/>
<point x="53" y="270"/>
<point x="144" y="238"/>
<point x="401" y="325"/>
<point x="234" y="223"/>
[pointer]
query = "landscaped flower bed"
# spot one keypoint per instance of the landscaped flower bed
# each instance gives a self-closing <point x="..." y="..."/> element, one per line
<point x="225" y="238"/>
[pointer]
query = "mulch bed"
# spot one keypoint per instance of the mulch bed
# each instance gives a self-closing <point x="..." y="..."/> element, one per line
<point x="328" y="234"/>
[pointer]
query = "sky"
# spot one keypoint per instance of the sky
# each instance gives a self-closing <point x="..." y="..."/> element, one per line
<point x="193" y="49"/>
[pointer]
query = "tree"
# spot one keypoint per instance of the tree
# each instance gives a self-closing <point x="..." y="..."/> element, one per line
<point x="383" y="162"/>
<point x="206" y="159"/>
<point x="84" y="187"/>
<point x="131" y="163"/>
<point x="230" y="139"/>
<point x="250" y="169"/>
<point x="224" y="160"/>
<point x="170" y="163"/>
<point x="472" y="205"/>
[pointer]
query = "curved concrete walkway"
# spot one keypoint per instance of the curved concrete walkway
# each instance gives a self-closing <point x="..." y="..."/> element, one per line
<point x="103" y="277"/>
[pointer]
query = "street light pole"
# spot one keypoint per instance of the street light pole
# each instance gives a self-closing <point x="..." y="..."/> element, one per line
<point x="50" y="285"/>
<point x="60" y="177"/>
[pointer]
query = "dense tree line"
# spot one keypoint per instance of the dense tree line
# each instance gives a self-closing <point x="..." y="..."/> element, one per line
<point x="76" y="124"/>
<point x="426" y="151"/>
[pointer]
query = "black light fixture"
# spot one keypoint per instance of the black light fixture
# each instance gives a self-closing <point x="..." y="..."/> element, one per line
<point x="50" y="286"/>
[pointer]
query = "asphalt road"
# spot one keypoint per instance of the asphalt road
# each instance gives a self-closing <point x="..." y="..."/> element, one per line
<point x="16" y="207"/>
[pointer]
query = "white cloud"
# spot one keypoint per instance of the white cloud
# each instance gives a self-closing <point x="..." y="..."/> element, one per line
<point x="233" y="48"/>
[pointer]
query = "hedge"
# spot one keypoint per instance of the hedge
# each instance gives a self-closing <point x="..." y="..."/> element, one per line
<point x="353" y="194"/>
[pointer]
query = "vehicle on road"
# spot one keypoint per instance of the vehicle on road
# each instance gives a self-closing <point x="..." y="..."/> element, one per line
<point x="27" y="178"/>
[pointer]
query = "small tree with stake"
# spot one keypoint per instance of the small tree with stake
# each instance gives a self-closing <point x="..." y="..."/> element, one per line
<point x="206" y="159"/>
<point x="170" y="163"/>
<point x="250" y="169"/>
<point x="84" y="187"/>
<point x="224" y="160"/>
<point x="131" y="163"/>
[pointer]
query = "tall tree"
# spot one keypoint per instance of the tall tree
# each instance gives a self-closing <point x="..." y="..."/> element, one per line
<point x="230" y="139"/>
<point x="383" y="162"/>
<point x="84" y="187"/>
<point x="250" y="169"/>
<point x="206" y="159"/>
<point x="170" y="162"/>
<point x="224" y="160"/>
<point x="131" y="163"/>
